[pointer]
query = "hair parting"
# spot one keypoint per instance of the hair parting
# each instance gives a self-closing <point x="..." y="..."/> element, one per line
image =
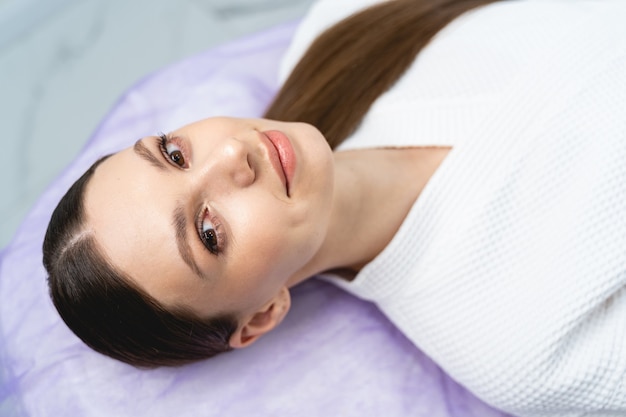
<point x="107" y="311"/>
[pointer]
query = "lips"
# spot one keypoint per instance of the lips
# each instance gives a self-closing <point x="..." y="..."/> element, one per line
<point x="282" y="156"/>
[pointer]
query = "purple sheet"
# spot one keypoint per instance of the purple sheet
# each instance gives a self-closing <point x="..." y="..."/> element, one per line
<point x="333" y="355"/>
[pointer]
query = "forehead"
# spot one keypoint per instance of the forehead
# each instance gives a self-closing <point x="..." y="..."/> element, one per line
<point x="132" y="222"/>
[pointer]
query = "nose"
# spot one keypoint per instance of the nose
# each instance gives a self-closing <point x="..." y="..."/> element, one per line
<point x="234" y="159"/>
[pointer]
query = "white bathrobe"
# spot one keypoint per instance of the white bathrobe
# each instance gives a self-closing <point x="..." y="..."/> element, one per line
<point x="510" y="268"/>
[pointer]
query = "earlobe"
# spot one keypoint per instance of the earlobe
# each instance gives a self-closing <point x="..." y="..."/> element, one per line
<point x="262" y="321"/>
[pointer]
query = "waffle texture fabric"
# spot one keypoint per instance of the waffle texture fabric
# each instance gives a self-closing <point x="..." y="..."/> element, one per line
<point x="510" y="268"/>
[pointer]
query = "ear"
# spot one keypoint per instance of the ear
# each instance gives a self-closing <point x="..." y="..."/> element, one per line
<point x="264" y="320"/>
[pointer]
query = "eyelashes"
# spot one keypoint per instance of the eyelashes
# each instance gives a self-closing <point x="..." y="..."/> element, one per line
<point x="172" y="150"/>
<point x="209" y="229"/>
<point x="207" y="225"/>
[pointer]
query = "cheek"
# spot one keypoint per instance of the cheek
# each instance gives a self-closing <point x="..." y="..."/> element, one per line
<point x="274" y="238"/>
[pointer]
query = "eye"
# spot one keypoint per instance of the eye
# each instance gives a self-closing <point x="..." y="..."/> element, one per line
<point x="172" y="151"/>
<point x="208" y="229"/>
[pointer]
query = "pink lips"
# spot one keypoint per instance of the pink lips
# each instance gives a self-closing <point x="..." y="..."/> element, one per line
<point x="282" y="156"/>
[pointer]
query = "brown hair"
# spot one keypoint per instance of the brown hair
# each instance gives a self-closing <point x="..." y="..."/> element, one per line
<point x="105" y="309"/>
<point x="351" y="64"/>
<point x="332" y="87"/>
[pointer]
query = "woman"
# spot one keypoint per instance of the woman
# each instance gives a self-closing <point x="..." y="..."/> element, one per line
<point x="186" y="244"/>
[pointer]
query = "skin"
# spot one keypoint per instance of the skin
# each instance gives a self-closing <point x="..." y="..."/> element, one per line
<point x="271" y="239"/>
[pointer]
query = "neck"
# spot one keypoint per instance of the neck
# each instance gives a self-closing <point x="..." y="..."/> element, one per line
<point x="374" y="191"/>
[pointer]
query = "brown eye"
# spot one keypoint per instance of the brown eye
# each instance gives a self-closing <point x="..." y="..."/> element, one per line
<point x="209" y="238"/>
<point x="172" y="151"/>
<point x="208" y="230"/>
<point x="178" y="158"/>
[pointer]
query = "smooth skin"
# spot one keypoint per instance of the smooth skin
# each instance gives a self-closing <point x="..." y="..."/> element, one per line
<point x="216" y="175"/>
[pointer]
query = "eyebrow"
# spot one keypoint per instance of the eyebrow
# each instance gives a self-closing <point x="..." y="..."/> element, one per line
<point x="141" y="150"/>
<point x="180" y="220"/>
<point x="180" y="223"/>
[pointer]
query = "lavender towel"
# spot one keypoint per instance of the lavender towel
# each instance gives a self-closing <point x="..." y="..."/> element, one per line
<point x="334" y="355"/>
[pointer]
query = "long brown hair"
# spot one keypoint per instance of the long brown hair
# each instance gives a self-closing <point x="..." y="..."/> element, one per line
<point x="332" y="87"/>
<point x="351" y="64"/>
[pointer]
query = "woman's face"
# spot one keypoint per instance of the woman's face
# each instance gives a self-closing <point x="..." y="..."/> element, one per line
<point x="216" y="216"/>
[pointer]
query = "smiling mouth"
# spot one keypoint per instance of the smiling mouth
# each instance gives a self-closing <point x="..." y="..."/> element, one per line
<point x="282" y="156"/>
<point x="274" y="159"/>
